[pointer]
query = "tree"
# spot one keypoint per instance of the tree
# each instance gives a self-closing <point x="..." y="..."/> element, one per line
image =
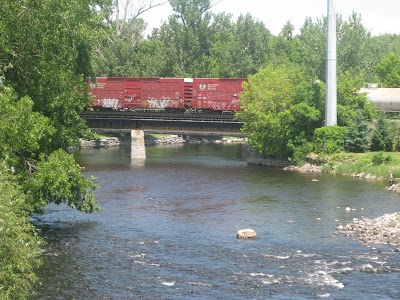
<point x="276" y="124"/>
<point x="355" y="47"/>
<point x="358" y="137"/>
<point x="389" y="70"/>
<point x="350" y="101"/>
<point x="312" y="40"/>
<point x="187" y="37"/>
<point x="20" y="243"/>
<point x="47" y="54"/>
<point x="118" y="37"/>
<point x="45" y="178"/>
<point x="286" y="47"/>
<point x="300" y="121"/>
<point x="45" y="58"/>
<point x="383" y="134"/>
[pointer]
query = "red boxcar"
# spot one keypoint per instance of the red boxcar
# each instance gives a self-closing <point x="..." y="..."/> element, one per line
<point x="205" y="94"/>
<point x="219" y="94"/>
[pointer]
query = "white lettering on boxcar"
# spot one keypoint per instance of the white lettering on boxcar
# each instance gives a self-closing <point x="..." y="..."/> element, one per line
<point x="158" y="103"/>
<point x="109" y="102"/>
<point x="212" y="86"/>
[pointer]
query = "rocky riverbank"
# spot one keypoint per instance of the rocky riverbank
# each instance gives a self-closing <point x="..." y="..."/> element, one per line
<point x="178" y="139"/>
<point x="160" y="140"/>
<point x="381" y="230"/>
<point x="101" y="143"/>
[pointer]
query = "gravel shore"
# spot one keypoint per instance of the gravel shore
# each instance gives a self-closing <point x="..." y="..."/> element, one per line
<point x="382" y="230"/>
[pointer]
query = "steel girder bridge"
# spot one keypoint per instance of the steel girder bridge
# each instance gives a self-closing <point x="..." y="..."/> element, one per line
<point x="162" y="122"/>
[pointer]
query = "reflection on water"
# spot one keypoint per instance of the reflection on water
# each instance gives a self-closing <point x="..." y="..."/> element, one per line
<point x="168" y="231"/>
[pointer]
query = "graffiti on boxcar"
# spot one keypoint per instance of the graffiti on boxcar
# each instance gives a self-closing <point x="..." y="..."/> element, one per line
<point x="109" y="102"/>
<point x="214" y="105"/>
<point x="158" y="103"/>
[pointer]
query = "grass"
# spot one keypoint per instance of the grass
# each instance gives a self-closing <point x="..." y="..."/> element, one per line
<point x="378" y="164"/>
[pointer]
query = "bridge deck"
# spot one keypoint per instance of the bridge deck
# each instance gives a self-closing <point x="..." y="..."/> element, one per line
<point x="163" y="123"/>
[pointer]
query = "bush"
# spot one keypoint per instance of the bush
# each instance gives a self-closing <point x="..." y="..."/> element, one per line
<point x="329" y="139"/>
<point x="300" y="153"/>
<point x="379" y="159"/>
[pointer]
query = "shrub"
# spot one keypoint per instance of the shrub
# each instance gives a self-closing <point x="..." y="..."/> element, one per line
<point x="329" y="139"/>
<point x="379" y="159"/>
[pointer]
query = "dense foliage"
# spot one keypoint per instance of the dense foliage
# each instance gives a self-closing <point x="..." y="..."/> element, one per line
<point x="45" y="57"/>
<point x="19" y="242"/>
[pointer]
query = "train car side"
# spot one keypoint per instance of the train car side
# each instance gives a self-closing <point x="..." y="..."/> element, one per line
<point x="178" y="94"/>
<point x="217" y="94"/>
<point x="107" y="93"/>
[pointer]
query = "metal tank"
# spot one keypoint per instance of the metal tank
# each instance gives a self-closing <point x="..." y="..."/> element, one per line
<point x="385" y="99"/>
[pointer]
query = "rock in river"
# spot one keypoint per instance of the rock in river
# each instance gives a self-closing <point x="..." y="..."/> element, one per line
<point x="246" y="234"/>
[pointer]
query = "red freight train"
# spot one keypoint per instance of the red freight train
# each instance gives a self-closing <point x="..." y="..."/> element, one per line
<point x="173" y="94"/>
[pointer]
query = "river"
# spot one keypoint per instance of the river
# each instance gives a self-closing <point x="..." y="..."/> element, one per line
<point x="167" y="230"/>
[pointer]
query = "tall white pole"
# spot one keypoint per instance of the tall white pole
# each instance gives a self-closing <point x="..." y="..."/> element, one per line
<point x="331" y="85"/>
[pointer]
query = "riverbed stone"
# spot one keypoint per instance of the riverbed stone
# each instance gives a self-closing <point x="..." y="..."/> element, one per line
<point x="247" y="233"/>
<point x="381" y="230"/>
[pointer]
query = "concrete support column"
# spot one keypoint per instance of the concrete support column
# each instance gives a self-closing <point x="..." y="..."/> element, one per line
<point x="331" y="89"/>
<point x="138" y="149"/>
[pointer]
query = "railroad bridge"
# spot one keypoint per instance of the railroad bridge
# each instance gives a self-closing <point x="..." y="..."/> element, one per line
<point x="137" y="123"/>
<point x="162" y="122"/>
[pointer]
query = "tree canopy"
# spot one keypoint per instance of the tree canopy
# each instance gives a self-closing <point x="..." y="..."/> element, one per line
<point x="45" y="58"/>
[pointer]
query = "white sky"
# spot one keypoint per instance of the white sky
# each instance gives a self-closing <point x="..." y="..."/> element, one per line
<point x="380" y="16"/>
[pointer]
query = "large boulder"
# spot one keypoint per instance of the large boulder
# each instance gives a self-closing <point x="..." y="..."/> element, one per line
<point x="246" y="234"/>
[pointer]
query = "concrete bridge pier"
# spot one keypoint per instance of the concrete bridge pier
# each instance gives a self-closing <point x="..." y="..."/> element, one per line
<point x="138" y="149"/>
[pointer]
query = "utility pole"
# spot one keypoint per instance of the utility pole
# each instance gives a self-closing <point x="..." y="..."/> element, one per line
<point x="331" y="85"/>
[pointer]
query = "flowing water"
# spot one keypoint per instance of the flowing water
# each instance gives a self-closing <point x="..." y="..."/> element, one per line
<point x="167" y="230"/>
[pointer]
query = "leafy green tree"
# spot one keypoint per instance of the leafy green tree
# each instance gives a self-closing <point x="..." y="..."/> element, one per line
<point x="118" y="36"/>
<point x="350" y="101"/>
<point x="187" y="36"/>
<point x="358" y="137"/>
<point x="249" y="47"/>
<point x="22" y="132"/>
<point x="47" y="53"/>
<point x="67" y="184"/>
<point x="312" y="40"/>
<point x="382" y="46"/>
<point x="47" y="58"/>
<point x="199" y="43"/>
<point x="45" y="178"/>
<point x="20" y="242"/>
<point x="276" y="124"/>
<point x="286" y="46"/>
<point x="355" y="54"/>
<point x="300" y="121"/>
<point x="115" y="49"/>
<point x="355" y="51"/>
<point x="389" y="70"/>
<point x="383" y="134"/>
<point x="149" y="60"/>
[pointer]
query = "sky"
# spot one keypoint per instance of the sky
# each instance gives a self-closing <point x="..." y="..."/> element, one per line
<point x="379" y="16"/>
